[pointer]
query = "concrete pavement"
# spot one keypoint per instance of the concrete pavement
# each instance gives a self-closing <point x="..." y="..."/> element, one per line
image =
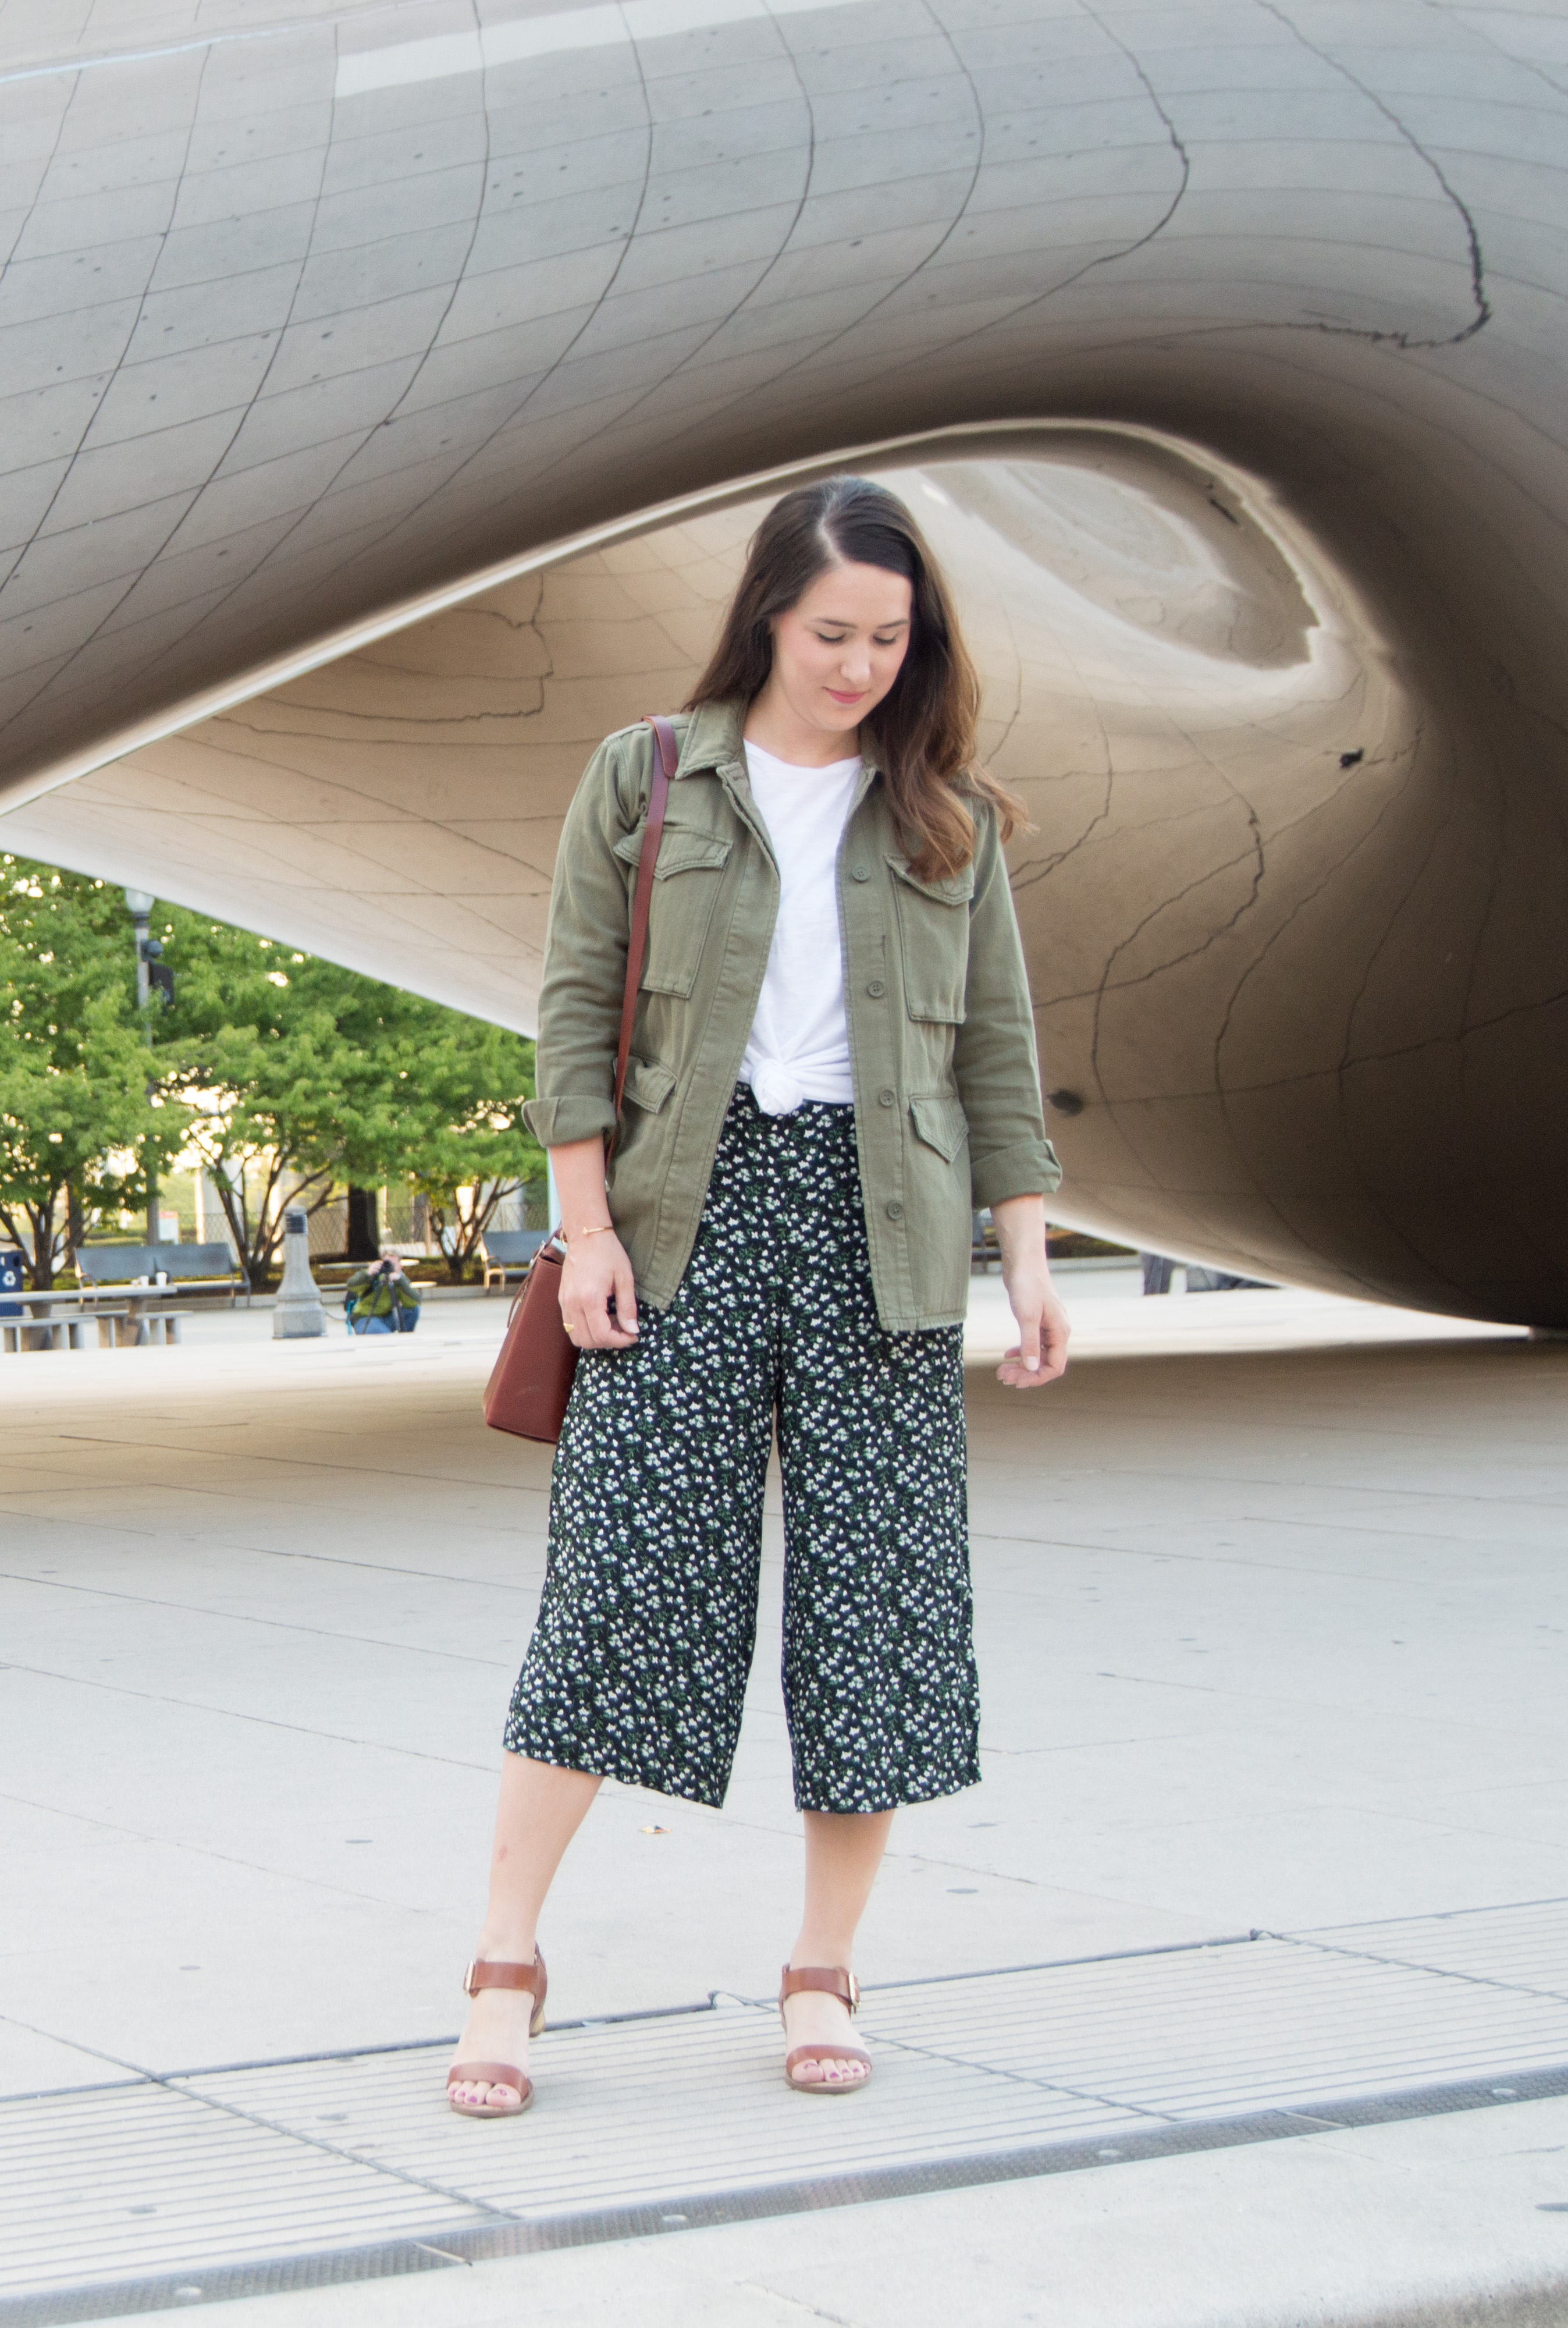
<point x="1271" y="1619"/>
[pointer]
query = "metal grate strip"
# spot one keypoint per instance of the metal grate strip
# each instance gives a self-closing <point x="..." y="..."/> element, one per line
<point x="220" y="2182"/>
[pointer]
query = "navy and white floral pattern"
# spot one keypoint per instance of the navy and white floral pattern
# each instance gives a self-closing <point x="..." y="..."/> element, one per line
<point x="637" y="1669"/>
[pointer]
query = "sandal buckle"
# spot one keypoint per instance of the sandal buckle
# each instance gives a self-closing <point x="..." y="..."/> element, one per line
<point x="853" y="1994"/>
<point x="471" y="1978"/>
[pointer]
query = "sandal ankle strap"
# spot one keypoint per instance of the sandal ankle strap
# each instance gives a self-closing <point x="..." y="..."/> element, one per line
<point x="481" y="1974"/>
<point x="833" y="1980"/>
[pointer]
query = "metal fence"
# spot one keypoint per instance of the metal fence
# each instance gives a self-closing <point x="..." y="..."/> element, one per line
<point x="192" y="1216"/>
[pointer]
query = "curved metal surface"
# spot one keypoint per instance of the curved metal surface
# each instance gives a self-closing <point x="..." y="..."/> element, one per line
<point x="308" y="315"/>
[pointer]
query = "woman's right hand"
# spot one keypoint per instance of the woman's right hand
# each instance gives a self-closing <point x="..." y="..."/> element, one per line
<point x="596" y="1269"/>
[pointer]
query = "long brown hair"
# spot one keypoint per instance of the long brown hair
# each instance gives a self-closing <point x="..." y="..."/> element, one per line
<point x="924" y="726"/>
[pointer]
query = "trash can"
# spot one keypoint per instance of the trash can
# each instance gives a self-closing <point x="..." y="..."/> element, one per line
<point x="13" y="1279"/>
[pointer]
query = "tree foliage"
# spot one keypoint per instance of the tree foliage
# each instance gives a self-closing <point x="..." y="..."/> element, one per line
<point x="74" y="1066"/>
<point x="296" y="1075"/>
<point x="251" y="1052"/>
<point x="285" y="1074"/>
<point x="437" y="1099"/>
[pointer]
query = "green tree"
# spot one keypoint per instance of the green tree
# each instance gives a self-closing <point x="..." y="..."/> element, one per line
<point x="296" y="1074"/>
<point x="253" y="1059"/>
<point x="74" y="1109"/>
<point x="437" y="1099"/>
<point x="479" y="1151"/>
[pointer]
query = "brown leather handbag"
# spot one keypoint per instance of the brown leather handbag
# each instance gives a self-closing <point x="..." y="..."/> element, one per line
<point x="531" y="1379"/>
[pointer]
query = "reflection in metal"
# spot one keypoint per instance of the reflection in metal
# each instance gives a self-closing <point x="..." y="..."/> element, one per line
<point x="312" y="319"/>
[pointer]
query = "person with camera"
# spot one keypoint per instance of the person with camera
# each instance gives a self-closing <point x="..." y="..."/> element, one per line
<point x="380" y="1299"/>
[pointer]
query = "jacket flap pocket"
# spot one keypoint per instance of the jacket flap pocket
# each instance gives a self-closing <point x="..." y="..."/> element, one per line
<point x="679" y="850"/>
<point x="956" y="889"/>
<point x="647" y="1083"/>
<point x="940" y="1121"/>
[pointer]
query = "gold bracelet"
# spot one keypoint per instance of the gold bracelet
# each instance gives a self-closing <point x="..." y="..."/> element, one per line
<point x="597" y="1230"/>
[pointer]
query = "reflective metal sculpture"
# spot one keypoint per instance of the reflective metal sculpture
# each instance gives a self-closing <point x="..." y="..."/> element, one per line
<point x="1225" y="357"/>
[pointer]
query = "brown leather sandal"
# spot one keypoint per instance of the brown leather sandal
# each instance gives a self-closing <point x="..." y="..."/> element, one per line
<point x="478" y="1975"/>
<point x="837" y="1981"/>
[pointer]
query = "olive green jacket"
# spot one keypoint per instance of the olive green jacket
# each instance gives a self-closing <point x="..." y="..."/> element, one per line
<point x="947" y="1091"/>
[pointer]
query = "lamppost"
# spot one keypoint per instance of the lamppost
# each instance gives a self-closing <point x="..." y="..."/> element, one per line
<point x="151" y="972"/>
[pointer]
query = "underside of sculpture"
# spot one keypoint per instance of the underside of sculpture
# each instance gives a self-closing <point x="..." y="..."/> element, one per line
<point x="391" y="391"/>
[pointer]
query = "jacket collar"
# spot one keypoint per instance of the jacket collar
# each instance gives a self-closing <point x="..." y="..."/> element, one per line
<point x="715" y="739"/>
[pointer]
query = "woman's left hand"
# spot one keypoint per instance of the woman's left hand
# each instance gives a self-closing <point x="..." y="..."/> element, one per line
<point x="1040" y="1355"/>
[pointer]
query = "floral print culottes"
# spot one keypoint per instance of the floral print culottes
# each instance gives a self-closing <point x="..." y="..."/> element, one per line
<point x="638" y="1666"/>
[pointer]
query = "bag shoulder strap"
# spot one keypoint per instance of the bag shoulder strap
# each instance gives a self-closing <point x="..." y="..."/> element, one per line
<point x="637" y="942"/>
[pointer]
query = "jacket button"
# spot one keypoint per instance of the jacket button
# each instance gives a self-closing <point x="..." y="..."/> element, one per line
<point x="885" y="1099"/>
<point x="859" y="872"/>
<point x="895" y="1211"/>
<point x="876" y="988"/>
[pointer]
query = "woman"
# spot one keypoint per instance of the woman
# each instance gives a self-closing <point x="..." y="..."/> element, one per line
<point x="833" y="1062"/>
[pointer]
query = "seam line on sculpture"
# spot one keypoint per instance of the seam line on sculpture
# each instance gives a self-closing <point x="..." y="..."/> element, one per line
<point x="196" y="492"/>
<point x="595" y="433"/>
<point x="1160" y="968"/>
<point x="460" y="274"/>
<point x="727" y="320"/>
<point x="1362" y="841"/>
<point x="817" y="352"/>
<point x="292" y="26"/>
<point x="628" y="240"/>
<point x="421" y="724"/>
<point x="1016" y="713"/>
<point x="1403" y="340"/>
<point x="360" y="437"/>
<point x="1522" y="64"/>
<point x="1412" y="878"/>
<point x="1040" y="868"/>
<point x="27" y="216"/>
<point x="1393" y="1051"/>
<point x="278" y="668"/>
<point x="1106" y="257"/>
<point x="77" y="450"/>
<point x="355" y="312"/>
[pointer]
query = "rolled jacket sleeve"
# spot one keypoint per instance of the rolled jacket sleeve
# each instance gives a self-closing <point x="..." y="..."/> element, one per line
<point x="993" y="1056"/>
<point x="585" y="943"/>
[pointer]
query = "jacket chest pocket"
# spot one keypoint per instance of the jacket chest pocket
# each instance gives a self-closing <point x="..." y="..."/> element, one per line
<point x="690" y="867"/>
<point x="934" y="940"/>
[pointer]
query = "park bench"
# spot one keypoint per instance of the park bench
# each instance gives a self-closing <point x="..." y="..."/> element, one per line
<point x="504" y="1250"/>
<point x="141" y="1280"/>
<point x="194" y="1268"/>
<point x="57" y="1321"/>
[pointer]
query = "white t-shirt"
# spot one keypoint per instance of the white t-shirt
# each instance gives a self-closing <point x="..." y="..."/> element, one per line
<point x="800" y="1042"/>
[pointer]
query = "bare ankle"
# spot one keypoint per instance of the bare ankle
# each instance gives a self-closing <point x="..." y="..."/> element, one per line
<point x="824" y="1949"/>
<point x="498" y="1945"/>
